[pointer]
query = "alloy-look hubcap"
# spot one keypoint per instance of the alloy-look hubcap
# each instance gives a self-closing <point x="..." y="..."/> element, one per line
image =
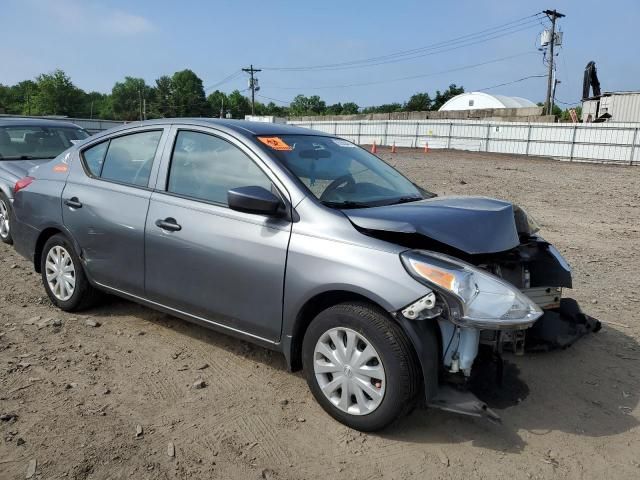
<point x="349" y="371"/>
<point x="4" y="220"/>
<point x="60" y="272"/>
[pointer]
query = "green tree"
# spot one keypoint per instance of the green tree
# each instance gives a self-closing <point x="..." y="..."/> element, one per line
<point x="57" y="95"/>
<point x="164" y="105"/>
<point x="302" y="105"/>
<point x="24" y="94"/>
<point x="350" y="108"/>
<point x="128" y="96"/>
<point x="5" y="98"/>
<point x="565" y="116"/>
<point x="335" y="109"/>
<point x="218" y="102"/>
<point x="275" y="110"/>
<point x="448" y="94"/>
<point x="385" y="108"/>
<point x="239" y="105"/>
<point x="419" y="102"/>
<point x="188" y="95"/>
<point x="96" y="105"/>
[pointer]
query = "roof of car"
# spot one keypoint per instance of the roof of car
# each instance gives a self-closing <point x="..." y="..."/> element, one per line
<point x="256" y="128"/>
<point x="34" y="122"/>
<point x="241" y="126"/>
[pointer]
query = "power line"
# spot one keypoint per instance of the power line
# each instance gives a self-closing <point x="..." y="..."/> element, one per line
<point x="273" y="99"/>
<point x="411" y="77"/>
<point x="426" y="53"/>
<point x="568" y="103"/>
<point x="510" y="83"/>
<point x="224" y="80"/>
<point x="439" y="47"/>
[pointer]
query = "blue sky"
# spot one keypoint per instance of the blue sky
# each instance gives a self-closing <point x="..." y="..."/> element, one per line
<point x="98" y="43"/>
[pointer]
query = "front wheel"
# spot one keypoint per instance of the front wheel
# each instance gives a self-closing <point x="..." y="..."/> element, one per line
<point x="5" y="220"/>
<point x="63" y="277"/>
<point x="360" y="366"/>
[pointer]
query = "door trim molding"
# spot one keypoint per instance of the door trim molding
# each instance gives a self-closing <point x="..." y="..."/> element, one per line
<point x="188" y="316"/>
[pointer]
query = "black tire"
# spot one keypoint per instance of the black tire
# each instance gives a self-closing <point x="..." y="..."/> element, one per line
<point x="8" y="239"/>
<point x="403" y="379"/>
<point x="84" y="295"/>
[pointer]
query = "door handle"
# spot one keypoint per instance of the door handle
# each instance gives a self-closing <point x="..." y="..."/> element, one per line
<point x="73" y="202"/>
<point x="169" y="224"/>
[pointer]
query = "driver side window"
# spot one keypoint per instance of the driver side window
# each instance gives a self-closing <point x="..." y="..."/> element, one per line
<point x="127" y="159"/>
<point x="205" y="167"/>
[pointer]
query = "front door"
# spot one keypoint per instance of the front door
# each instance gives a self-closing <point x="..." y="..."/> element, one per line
<point x="205" y="259"/>
<point x="105" y="203"/>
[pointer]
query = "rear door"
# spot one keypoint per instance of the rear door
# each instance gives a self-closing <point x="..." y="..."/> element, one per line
<point x="220" y="265"/>
<point x="105" y="203"/>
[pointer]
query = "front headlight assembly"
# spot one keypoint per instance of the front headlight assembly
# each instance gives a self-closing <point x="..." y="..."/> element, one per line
<point x="475" y="297"/>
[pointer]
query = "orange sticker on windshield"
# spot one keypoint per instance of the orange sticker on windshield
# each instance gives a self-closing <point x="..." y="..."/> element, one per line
<point x="276" y="143"/>
<point x="61" y="168"/>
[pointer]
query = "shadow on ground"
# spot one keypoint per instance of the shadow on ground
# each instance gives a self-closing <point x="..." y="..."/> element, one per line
<point x="569" y="390"/>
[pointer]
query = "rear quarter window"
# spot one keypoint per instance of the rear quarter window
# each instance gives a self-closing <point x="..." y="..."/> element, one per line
<point x="94" y="158"/>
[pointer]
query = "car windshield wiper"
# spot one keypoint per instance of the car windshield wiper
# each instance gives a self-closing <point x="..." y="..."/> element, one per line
<point x="346" y="204"/>
<point x="405" y="200"/>
<point x="25" y="157"/>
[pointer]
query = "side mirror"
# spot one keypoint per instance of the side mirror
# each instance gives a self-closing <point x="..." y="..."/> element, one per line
<point x="254" y="199"/>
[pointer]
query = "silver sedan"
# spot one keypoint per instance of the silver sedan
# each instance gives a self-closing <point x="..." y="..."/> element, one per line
<point x="304" y="243"/>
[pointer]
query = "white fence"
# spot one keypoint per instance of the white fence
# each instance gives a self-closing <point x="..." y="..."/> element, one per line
<point x="609" y="143"/>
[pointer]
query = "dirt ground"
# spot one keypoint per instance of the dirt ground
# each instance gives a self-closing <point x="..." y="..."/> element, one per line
<point x="79" y="392"/>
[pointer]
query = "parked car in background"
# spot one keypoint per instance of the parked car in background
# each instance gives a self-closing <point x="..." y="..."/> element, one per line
<point x="24" y="143"/>
<point x="304" y="243"/>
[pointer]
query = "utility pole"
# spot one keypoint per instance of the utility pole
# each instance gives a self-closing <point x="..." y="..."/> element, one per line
<point x="252" y="85"/>
<point x="553" y="16"/>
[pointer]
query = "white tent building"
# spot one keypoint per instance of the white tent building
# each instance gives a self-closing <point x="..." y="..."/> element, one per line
<point x="481" y="100"/>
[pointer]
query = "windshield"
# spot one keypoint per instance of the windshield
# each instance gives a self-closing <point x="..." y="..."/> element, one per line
<point x="33" y="142"/>
<point x="341" y="174"/>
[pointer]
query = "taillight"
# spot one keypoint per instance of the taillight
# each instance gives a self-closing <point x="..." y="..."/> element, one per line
<point x="22" y="183"/>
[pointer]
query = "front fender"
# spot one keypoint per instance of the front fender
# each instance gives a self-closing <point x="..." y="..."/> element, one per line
<point x="6" y="188"/>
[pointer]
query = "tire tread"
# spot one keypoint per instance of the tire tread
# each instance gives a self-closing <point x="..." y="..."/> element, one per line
<point x="407" y="375"/>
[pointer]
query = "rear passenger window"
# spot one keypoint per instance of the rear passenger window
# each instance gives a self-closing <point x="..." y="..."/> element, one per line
<point x="130" y="158"/>
<point x="206" y="168"/>
<point x="94" y="157"/>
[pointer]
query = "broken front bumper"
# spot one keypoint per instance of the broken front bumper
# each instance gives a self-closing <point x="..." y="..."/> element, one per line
<point x="560" y="327"/>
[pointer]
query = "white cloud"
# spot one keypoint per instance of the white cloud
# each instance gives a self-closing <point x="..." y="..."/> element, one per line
<point x="86" y="16"/>
<point x="124" y="23"/>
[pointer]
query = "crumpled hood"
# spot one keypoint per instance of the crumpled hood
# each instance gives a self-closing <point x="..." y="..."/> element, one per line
<point x="471" y="224"/>
<point x="19" y="168"/>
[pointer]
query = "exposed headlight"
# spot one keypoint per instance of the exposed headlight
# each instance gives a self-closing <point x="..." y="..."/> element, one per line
<point x="476" y="297"/>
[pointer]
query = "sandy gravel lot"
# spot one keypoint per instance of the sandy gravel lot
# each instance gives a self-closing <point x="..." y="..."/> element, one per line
<point x="72" y="395"/>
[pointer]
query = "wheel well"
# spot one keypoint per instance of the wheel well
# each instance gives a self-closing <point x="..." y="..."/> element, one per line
<point x="311" y="309"/>
<point x="45" y="235"/>
<point x="5" y="191"/>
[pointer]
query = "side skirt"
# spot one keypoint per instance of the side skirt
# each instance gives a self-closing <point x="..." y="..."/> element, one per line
<point x="264" y="342"/>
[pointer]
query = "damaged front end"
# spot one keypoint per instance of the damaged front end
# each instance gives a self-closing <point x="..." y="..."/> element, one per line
<point x="495" y="284"/>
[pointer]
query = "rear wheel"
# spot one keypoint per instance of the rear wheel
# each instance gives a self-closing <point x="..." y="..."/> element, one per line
<point x="63" y="276"/>
<point x="360" y="366"/>
<point x="5" y="220"/>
